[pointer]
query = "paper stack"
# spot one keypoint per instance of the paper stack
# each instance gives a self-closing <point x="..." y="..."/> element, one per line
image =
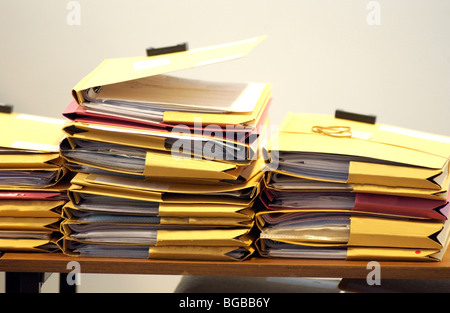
<point x="343" y="189"/>
<point x="167" y="167"/>
<point x="33" y="188"/>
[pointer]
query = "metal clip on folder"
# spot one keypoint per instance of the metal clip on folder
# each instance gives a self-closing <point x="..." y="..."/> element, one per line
<point x="369" y="119"/>
<point x="164" y="50"/>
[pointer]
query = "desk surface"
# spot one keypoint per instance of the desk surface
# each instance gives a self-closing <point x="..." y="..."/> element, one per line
<point x="255" y="266"/>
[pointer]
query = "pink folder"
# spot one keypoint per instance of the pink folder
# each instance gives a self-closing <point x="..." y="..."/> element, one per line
<point x="32" y="195"/>
<point x="78" y="113"/>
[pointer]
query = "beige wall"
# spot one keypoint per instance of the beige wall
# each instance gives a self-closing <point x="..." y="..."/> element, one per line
<point x="320" y="54"/>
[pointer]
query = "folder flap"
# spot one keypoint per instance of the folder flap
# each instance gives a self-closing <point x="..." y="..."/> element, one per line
<point x="74" y="190"/>
<point x="30" y="208"/>
<point x="366" y="231"/>
<point x="391" y="254"/>
<point x="29" y="161"/>
<point x="157" y="186"/>
<point x="433" y="209"/>
<point x="432" y="194"/>
<point x="80" y="181"/>
<point x="216" y="221"/>
<point x="163" y="164"/>
<point x="28" y="245"/>
<point x="402" y="191"/>
<point x="29" y="223"/>
<point x="32" y="195"/>
<point x="376" y="141"/>
<point x="118" y="135"/>
<point x="200" y="253"/>
<point x="381" y="174"/>
<point x="30" y="132"/>
<point x="213" y="237"/>
<point x="205" y="210"/>
<point x="118" y="70"/>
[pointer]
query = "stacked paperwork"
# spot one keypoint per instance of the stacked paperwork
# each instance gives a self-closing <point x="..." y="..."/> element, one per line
<point x="33" y="188"/>
<point x="166" y="167"/>
<point x="341" y="189"/>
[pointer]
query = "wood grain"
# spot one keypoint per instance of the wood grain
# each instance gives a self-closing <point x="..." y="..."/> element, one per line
<point x="256" y="266"/>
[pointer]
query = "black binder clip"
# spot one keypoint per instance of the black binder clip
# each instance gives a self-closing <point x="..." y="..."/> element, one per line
<point x="369" y="119"/>
<point x="6" y="108"/>
<point x="164" y="50"/>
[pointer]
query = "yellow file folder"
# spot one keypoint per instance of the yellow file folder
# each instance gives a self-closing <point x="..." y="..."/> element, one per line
<point x="29" y="155"/>
<point x="365" y="231"/>
<point x="31" y="208"/>
<point x="163" y="165"/>
<point x="247" y="190"/>
<point x="307" y="185"/>
<point x="181" y="252"/>
<point x="199" y="146"/>
<point x="30" y="223"/>
<point x="30" y="133"/>
<point x="376" y="154"/>
<point x="74" y="214"/>
<point x="29" y="245"/>
<point x="352" y="253"/>
<point x="168" y="204"/>
<point x="137" y="79"/>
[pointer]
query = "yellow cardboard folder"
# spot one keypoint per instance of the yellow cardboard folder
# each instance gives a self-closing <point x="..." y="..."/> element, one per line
<point x="182" y="252"/>
<point x="32" y="161"/>
<point x="210" y="253"/>
<point x="165" y="165"/>
<point x="31" y="208"/>
<point x="137" y="79"/>
<point x="371" y="253"/>
<point x="297" y="184"/>
<point x="392" y="156"/>
<point x="227" y="237"/>
<point x="379" y="232"/>
<point x="247" y="190"/>
<point x="176" y="207"/>
<point x="30" y="223"/>
<point x="185" y="143"/>
<point x="74" y="214"/>
<point x="30" y="245"/>
<point x="169" y="205"/>
<point x="30" y="133"/>
<point x="31" y="147"/>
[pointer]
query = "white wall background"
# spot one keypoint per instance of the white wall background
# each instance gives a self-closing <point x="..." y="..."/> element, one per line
<point x="320" y="54"/>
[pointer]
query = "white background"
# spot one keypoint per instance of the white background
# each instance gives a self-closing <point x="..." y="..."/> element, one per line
<point x="320" y="55"/>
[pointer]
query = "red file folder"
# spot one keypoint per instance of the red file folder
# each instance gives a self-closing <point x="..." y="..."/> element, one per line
<point x="381" y="204"/>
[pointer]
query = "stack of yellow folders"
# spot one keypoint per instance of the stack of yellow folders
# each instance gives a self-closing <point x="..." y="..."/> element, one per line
<point x="32" y="186"/>
<point x="167" y="167"/>
<point x="344" y="189"/>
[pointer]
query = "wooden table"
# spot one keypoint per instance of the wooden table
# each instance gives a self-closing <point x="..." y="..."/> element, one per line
<point x="30" y="268"/>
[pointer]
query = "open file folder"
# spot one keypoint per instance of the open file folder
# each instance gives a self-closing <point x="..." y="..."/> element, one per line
<point x="324" y="148"/>
<point x="132" y="101"/>
<point x="139" y="89"/>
